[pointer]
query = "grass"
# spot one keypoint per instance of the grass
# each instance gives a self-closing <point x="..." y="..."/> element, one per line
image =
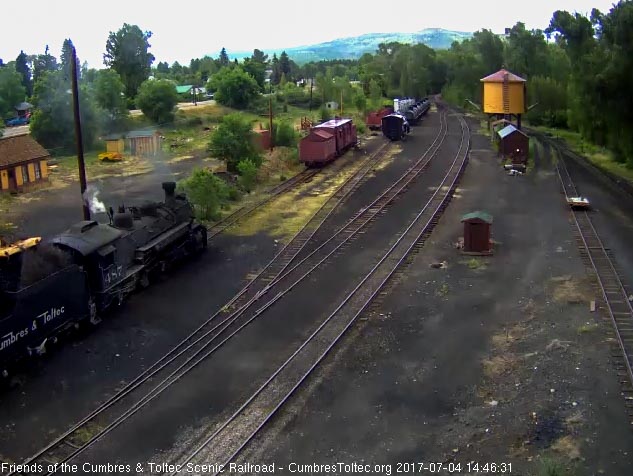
<point x="599" y="156"/>
<point x="549" y="467"/>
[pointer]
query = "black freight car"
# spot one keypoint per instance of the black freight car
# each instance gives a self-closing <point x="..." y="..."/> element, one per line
<point x="395" y="126"/>
<point x="78" y="274"/>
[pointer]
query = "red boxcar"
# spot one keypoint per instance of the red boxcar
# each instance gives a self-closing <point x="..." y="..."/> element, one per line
<point x="327" y="141"/>
<point x="318" y="147"/>
<point x="374" y="119"/>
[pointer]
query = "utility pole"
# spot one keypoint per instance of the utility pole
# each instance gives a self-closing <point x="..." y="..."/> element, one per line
<point x="311" y="86"/>
<point x="270" y="117"/>
<point x="341" y="103"/>
<point x="78" y="137"/>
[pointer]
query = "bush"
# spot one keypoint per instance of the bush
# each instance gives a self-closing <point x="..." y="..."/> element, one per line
<point x="206" y="192"/>
<point x="234" y="194"/>
<point x="157" y="99"/>
<point x="248" y="174"/>
<point x="325" y="114"/>
<point x="233" y="142"/>
<point x="194" y="121"/>
<point x="285" y="134"/>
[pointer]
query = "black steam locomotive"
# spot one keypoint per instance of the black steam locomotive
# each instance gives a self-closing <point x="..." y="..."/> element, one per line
<point x="46" y="288"/>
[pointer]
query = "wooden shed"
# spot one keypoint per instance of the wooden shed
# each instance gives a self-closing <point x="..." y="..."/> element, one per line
<point x="262" y="138"/>
<point x="115" y="143"/>
<point x="23" y="162"/>
<point x="477" y="228"/>
<point x="138" y="143"/>
<point x="144" y="143"/>
<point x="514" y="145"/>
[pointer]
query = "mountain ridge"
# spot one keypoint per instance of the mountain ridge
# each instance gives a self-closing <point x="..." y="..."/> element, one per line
<point x="354" y="47"/>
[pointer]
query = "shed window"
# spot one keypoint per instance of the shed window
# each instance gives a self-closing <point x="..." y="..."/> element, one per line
<point x="38" y="171"/>
<point x="25" y="173"/>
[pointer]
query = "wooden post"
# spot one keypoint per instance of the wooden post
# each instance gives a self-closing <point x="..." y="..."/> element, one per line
<point x="78" y="136"/>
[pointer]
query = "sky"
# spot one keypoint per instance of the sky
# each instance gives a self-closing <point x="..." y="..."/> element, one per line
<point x="181" y="31"/>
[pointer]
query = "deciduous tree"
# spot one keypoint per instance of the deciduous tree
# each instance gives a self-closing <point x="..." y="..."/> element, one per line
<point x="233" y="87"/>
<point x="110" y="97"/>
<point x="52" y="123"/>
<point x="127" y="52"/>
<point x="12" y="92"/>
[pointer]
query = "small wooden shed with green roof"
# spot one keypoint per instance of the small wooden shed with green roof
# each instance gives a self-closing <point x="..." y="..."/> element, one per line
<point x="477" y="227"/>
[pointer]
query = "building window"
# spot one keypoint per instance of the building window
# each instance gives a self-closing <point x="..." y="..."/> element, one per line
<point x="38" y="171"/>
<point x="25" y="173"/>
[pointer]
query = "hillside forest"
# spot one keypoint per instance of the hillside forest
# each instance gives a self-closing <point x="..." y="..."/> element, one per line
<point x="579" y="71"/>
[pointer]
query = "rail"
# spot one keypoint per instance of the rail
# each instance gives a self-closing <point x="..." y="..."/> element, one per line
<point x="66" y="447"/>
<point x="611" y="287"/>
<point x="69" y="445"/>
<point x="241" y="427"/>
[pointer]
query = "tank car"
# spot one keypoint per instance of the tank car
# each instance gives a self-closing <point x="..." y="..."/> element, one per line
<point x="74" y="277"/>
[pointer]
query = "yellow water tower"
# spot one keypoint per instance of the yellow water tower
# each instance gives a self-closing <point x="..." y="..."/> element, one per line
<point x="504" y="95"/>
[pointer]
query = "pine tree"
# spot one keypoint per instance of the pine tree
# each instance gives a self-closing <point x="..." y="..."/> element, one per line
<point x="224" y="58"/>
<point x="22" y="67"/>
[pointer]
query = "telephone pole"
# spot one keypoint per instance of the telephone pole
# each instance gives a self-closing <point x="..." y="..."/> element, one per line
<point x="78" y="136"/>
<point x="270" y="117"/>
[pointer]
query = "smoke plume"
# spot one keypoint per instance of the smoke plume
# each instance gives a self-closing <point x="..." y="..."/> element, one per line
<point x="91" y="196"/>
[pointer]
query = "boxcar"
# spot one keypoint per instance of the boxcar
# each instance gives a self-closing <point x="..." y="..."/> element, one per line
<point x="327" y="141"/>
<point x="318" y="147"/>
<point x="395" y="126"/>
<point x="374" y="119"/>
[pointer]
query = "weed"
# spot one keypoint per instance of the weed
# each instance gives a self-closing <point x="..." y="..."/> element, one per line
<point x="475" y="263"/>
<point x="586" y="328"/>
<point x="443" y="291"/>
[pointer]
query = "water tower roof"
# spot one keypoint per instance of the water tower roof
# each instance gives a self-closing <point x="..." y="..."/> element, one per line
<point x="498" y="77"/>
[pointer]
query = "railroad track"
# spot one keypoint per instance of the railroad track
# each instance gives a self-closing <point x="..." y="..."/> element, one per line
<point x="240" y="213"/>
<point x="72" y="443"/>
<point x="232" y="436"/>
<point x="189" y="353"/>
<point x="610" y="286"/>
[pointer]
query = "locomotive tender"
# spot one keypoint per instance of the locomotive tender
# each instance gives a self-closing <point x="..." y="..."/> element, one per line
<point x="46" y="288"/>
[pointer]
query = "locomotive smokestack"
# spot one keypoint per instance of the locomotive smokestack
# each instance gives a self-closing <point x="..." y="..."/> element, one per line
<point x="170" y="189"/>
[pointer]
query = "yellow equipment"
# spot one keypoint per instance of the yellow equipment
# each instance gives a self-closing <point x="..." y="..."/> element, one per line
<point x="111" y="157"/>
<point x="7" y="250"/>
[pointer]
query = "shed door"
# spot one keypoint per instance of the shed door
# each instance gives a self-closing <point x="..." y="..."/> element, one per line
<point x="12" y="182"/>
<point x="479" y="236"/>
